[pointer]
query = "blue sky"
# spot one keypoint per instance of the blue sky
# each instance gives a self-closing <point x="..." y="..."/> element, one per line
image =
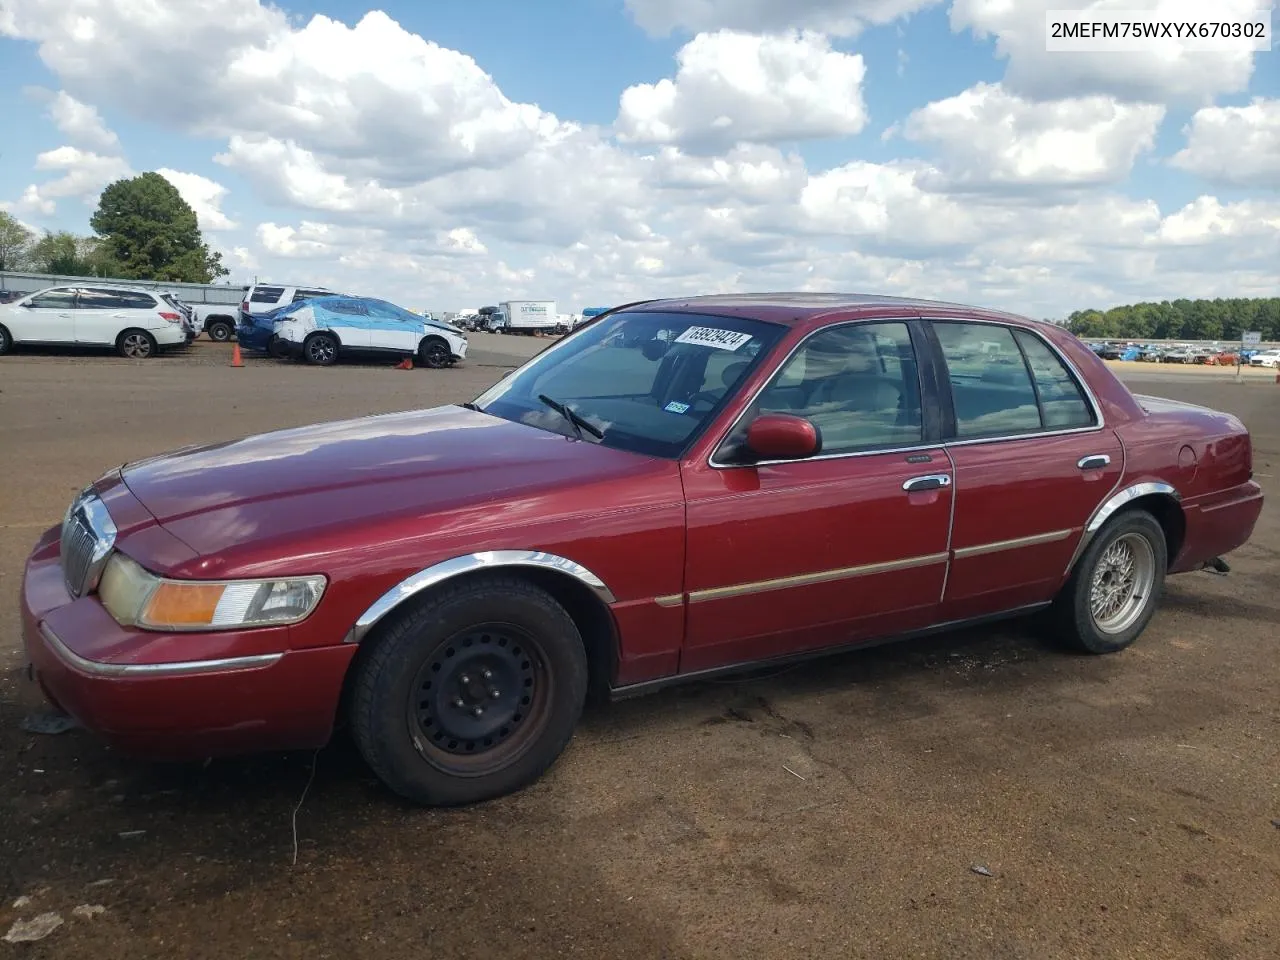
<point x="444" y="154"/>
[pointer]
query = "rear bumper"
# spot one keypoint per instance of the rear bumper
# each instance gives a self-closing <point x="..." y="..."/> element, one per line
<point x="1218" y="524"/>
<point x="174" y="697"/>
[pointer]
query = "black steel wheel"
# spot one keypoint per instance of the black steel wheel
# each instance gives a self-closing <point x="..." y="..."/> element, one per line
<point x="434" y="352"/>
<point x="481" y="698"/>
<point x="321" y="349"/>
<point x="219" y="331"/>
<point x="470" y="694"/>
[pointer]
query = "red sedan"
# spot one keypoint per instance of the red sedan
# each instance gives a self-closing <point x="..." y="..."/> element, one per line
<point x="676" y="489"/>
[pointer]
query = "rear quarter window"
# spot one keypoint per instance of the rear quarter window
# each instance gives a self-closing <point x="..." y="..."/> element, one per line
<point x="266" y="294"/>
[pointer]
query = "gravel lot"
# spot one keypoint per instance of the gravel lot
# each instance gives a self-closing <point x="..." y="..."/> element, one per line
<point x="1123" y="807"/>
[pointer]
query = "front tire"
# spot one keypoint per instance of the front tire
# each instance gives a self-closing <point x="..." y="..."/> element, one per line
<point x="321" y="349"/>
<point x="6" y="340"/>
<point x="470" y="695"/>
<point x="136" y="345"/>
<point x="434" y="353"/>
<point x="1113" y="592"/>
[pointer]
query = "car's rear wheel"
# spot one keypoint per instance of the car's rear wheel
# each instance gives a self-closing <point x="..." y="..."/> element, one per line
<point x="220" y="330"/>
<point x="434" y="352"/>
<point x="1113" y="592"/>
<point x="136" y="345"/>
<point x="276" y="348"/>
<point x="470" y="695"/>
<point x="6" y="340"/>
<point x="321" y="349"/>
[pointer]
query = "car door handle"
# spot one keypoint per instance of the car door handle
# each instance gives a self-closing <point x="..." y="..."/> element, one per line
<point x="1094" y="462"/>
<point x="934" y="481"/>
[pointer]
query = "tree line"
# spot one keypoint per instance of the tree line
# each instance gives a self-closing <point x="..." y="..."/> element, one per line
<point x="142" y="230"/>
<point x="1181" y="320"/>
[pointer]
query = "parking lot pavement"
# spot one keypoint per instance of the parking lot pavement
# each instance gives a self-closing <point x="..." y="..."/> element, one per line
<point x="1121" y="806"/>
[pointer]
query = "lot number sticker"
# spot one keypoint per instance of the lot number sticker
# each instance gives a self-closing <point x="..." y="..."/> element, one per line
<point x="713" y="337"/>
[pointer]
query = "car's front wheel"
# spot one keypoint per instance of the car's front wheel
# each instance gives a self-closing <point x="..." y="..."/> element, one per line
<point x="471" y="694"/>
<point x="6" y="340"/>
<point x="136" y="345"/>
<point x="321" y="349"/>
<point x="1112" y="594"/>
<point x="434" y="353"/>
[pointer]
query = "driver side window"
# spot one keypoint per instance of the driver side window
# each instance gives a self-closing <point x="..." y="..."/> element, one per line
<point x="857" y="383"/>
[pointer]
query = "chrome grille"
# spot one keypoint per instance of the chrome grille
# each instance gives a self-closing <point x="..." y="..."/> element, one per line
<point x="88" y="534"/>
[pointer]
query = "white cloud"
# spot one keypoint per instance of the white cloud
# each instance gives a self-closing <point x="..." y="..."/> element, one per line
<point x="203" y="195"/>
<point x="400" y="167"/>
<point x="81" y="122"/>
<point x="1237" y="146"/>
<point x="1168" y="72"/>
<point x="84" y="174"/>
<point x="993" y="138"/>
<point x="835" y="17"/>
<point x="735" y="87"/>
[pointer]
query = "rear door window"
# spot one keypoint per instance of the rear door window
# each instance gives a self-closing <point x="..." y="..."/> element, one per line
<point x="1062" y="401"/>
<point x="990" y="387"/>
<point x="1006" y="382"/>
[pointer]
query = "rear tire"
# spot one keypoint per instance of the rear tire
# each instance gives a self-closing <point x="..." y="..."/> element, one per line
<point x="470" y="695"/>
<point x="321" y="349"/>
<point x="6" y="340"/>
<point x="219" y="331"/>
<point x="1113" y="591"/>
<point x="136" y="345"/>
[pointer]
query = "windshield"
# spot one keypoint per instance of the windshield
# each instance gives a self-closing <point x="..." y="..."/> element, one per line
<point x="640" y="381"/>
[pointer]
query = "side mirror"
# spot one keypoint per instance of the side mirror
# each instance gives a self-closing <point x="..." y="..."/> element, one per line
<point x="654" y="349"/>
<point x="782" y="436"/>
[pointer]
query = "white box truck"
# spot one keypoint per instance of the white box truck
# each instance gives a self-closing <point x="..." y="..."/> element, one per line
<point x="525" y="316"/>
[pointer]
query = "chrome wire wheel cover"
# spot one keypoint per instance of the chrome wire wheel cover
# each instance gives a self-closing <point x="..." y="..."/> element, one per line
<point x="137" y="346"/>
<point x="1122" y="583"/>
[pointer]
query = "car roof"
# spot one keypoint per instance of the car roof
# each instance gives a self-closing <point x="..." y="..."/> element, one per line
<point x="794" y="308"/>
<point x="104" y="285"/>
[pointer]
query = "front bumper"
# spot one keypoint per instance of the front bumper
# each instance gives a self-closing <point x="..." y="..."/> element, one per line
<point x="174" y="696"/>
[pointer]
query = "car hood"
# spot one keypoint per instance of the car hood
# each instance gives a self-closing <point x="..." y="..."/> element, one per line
<point x="294" y="482"/>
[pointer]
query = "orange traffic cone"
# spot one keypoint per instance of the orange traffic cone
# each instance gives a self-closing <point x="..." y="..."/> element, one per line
<point x="235" y="356"/>
<point x="405" y="364"/>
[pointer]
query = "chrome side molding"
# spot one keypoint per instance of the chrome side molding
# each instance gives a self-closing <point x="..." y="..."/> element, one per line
<point x="470" y="563"/>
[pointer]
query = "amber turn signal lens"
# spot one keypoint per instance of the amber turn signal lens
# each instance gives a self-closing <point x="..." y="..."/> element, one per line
<point x="182" y="604"/>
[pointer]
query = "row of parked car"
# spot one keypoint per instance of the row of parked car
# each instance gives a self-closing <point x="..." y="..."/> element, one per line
<point x="1213" y="355"/>
<point x="315" y="325"/>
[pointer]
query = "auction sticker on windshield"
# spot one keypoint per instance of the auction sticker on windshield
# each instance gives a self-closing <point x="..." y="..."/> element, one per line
<point x="713" y="337"/>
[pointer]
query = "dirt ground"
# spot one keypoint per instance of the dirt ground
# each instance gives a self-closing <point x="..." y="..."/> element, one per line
<point x="1125" y="806"/>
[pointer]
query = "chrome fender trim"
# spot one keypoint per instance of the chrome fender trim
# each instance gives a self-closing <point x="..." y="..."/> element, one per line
<point x="1111" y="506"/>
<point x="470" y="563"/>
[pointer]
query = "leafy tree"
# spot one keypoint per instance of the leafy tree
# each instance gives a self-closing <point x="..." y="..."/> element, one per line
<point x="15" y="239"/>
<point x="151" y="233"/>
<point x="1221" y="320"/>
<point x="65" y="253"/>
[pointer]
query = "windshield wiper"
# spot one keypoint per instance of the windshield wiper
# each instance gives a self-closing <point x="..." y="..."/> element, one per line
<point x="579" y="423"/>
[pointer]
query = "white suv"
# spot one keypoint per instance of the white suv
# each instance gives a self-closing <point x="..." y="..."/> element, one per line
<point x="264" y="297"/>
<point x="136" y="322"/>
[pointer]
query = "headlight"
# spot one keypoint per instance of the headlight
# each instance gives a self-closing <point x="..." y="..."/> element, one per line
<point x="137" y="597"/>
